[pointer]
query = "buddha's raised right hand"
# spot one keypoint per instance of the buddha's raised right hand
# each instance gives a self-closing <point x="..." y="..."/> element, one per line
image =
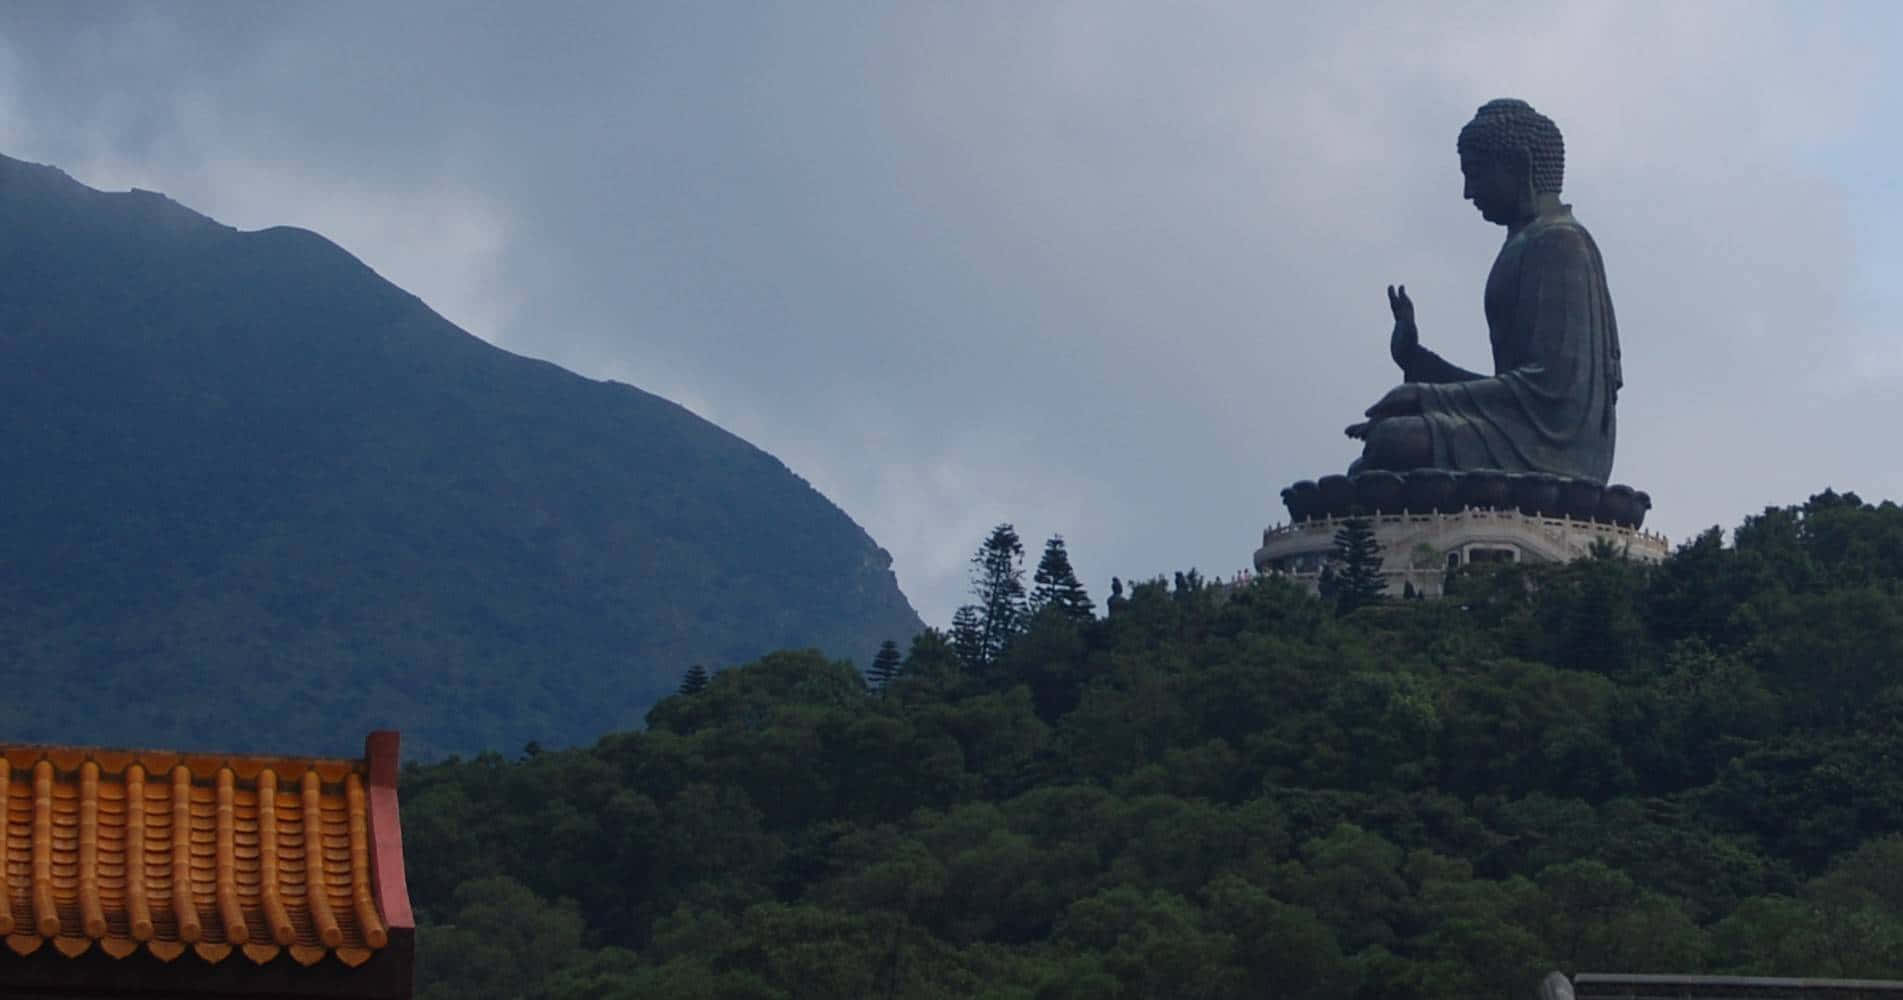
<point x="1407" y="337"/>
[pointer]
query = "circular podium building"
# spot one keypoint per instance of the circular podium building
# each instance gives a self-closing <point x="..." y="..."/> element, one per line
<point x="1454" y="521"/>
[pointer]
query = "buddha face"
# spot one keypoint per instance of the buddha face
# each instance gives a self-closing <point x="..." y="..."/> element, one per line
<point x="1497" y="186"/>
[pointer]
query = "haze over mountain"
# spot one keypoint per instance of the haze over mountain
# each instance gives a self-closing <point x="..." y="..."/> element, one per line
<point x="248" y="479"/>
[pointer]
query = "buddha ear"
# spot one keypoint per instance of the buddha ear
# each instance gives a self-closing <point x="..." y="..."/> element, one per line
<point x="1521" y="166"/>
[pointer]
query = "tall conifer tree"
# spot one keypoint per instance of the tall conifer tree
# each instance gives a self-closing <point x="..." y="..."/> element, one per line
<point x="997" y="580"/>
<point x="886" y="665"/>
<point x="967" y="635"/>
<point x="1358" y="581"/>
<point x="1056" y="584"/>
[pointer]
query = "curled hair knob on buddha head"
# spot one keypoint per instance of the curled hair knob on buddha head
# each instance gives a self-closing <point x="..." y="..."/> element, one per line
<point x="1510" y="127"/>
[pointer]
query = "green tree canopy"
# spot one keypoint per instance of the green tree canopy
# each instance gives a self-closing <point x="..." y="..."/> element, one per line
<point x="1232" y="792"/>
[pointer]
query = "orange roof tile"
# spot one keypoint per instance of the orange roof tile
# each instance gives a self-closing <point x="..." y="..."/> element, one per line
<point x="216" y="855"/>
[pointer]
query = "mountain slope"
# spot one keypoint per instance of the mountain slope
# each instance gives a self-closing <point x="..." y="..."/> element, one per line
<point x="250" y="481"/>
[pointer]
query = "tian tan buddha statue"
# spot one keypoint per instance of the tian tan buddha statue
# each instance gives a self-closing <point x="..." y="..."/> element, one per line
<point x="1548" y="406"/>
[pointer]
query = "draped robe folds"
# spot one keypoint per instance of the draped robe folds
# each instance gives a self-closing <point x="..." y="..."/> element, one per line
<point x="1549" y="405"/>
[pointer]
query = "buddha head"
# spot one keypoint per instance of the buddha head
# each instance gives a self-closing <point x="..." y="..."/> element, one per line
<point x="1510" y="155"/>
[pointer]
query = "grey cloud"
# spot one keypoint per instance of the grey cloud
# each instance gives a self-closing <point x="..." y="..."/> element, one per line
<point x="1109" y="270"/>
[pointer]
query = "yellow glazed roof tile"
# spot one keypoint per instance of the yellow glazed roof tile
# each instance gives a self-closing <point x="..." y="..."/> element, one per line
<point x="217" y="855"/>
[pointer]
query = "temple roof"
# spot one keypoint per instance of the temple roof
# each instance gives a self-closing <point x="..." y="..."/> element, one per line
<point x="274" y="862"/>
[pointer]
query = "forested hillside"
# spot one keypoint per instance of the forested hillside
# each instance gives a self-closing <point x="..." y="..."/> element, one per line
<point x="1245" y="793"/>
<point x="251" y="486"/>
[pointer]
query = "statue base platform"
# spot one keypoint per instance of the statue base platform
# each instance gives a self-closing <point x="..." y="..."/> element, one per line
<point x="1418" y="550"/>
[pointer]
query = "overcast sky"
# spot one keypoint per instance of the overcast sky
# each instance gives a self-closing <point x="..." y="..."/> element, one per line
<point x="1107" y="270"/>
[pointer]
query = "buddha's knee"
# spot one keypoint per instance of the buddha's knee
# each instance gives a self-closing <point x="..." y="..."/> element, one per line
<point x="1398" y="443"/>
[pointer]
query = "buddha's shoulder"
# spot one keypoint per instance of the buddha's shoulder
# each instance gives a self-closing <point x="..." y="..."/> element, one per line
<point x="1559" y="232"/>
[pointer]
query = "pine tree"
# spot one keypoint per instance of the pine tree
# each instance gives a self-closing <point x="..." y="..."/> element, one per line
<point x="1057" y="586"/>
<point x="967" y="635"/>
<point x="1358" y="581"/>
<point x="695" y="680"/>
<point x="886" y="665"/>
<point x="997" y="580"/>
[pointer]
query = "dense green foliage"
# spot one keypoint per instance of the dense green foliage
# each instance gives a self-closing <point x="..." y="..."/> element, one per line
<point x="253" y="489"/>
<point x="1234" y="792"/>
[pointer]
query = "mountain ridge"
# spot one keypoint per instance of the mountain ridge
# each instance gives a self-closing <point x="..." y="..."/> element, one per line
<point x="248" y="446"/>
